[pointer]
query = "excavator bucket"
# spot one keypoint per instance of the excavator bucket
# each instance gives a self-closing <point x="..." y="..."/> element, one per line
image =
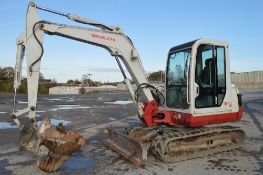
<point x="133" y="144"/>
<point x="53" y="145"/>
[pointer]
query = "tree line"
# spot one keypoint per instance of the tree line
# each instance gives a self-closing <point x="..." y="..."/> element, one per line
<point x="7" y="82"/>
<point x="157" y="76"/>
<point x="86" y="80"/>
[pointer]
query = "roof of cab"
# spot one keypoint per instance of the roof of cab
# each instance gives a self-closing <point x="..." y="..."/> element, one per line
<point x="182" y="46"/>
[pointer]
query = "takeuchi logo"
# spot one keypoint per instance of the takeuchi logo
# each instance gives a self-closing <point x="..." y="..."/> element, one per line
<point x="102" y="37"/>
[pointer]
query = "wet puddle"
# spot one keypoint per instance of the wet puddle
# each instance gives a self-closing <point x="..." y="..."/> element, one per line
<point x="112" y="119"/>
<point x="69" y="107"/>
<point x="22" y="102"/>
<point x="94" y="141"/>
<point x="6" y="125"/>
<point x="79" y="163"/>
<point x="60" y="99"/>
<point x="102" y="99"/>
<point x="55" y="99"/>
<point x="133" y="122"/>
<point x="40" y="111"/>
<point x="120" y="102"/>
<point x="55" y="122"/>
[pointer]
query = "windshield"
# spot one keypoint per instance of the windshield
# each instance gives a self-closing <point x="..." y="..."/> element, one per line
<point x="176" y="79"/>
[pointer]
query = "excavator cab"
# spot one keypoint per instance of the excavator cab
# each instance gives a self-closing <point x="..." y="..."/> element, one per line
<point x="198" y="84"/>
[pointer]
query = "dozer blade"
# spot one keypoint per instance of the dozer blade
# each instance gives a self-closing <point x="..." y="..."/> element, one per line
<point x="133" y="145"/>
<point x="53" y="145"/>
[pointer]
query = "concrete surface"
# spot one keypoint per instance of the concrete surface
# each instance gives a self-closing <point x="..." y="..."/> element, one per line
<point x="90" y="114"/>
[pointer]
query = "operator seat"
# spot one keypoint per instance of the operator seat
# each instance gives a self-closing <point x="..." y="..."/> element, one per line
<point x="206" y="85"/>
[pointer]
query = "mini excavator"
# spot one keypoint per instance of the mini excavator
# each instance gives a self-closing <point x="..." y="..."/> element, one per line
<point x="175" y="125"/>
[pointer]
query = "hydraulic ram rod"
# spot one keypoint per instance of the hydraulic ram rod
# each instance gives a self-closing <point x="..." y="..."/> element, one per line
<point x="77" y="18"/>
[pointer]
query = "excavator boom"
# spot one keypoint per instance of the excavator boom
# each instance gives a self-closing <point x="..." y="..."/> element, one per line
<point x="110" y="38"/>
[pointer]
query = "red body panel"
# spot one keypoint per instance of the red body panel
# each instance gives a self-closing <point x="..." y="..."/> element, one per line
<point x="154" y="116"/>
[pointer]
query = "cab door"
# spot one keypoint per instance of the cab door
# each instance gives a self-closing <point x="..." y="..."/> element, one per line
<point x="210" y="77"/>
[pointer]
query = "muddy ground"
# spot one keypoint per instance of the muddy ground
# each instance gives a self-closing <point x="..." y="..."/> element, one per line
<point x="91" y="114"/>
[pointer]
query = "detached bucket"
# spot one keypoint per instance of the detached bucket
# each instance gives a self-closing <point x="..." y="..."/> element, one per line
<point x="56" y="145"/>
<point x="53" y="145"/>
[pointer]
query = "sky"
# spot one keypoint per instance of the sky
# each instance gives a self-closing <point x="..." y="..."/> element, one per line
<point x="154" y="27"/>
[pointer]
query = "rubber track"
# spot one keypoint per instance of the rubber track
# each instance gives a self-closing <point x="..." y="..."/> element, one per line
<point x="160" y="143"/>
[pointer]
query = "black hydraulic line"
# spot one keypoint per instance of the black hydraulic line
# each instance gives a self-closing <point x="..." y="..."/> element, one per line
<point x="157" y="95"/>
<point x="40" y="44"/>
<point x="122" y="71"/>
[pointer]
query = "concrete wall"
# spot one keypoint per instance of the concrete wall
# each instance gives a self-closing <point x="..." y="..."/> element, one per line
<point x="122" y="86"/>
<point x="64" y="90"/>
<point x="248" y="79"/>
<point x="103" y="88"/>
<point x="79" y="89"/>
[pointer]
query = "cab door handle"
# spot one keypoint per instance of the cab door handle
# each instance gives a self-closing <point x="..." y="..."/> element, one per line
<point x="197" y="91"/>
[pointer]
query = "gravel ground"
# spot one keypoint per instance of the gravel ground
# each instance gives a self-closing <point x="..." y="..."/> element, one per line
<point x="90" y="114"/>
